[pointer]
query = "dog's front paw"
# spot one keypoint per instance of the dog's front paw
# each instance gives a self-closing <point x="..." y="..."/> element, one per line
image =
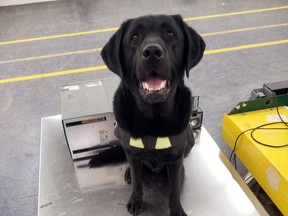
<point x="134" y="206"/>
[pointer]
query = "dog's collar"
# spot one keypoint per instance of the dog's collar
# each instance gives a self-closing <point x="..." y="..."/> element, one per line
<point x="161" y="143"/>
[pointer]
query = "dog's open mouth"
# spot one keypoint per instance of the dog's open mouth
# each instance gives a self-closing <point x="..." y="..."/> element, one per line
<point x="154" y="88"/>
<point x="155" y="84"/>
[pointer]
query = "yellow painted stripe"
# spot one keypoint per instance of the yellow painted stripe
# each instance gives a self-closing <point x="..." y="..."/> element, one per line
<point x="52" y="74"/>
<point x="51" y="56"/>
<point x="99" y="49"/>
<point x="101" y="67"/>
<point x="236" y="13"/>
<point x="57" y="36"/>
<point x="244" y="29"/>
<point x="115" y="28"/>
<point x="249" y="46"/>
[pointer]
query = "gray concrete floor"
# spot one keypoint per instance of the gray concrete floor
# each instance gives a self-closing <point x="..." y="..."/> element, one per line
<point x="221" y="79"/>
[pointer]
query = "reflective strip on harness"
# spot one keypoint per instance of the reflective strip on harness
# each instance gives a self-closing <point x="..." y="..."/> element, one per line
<point x="136" y="143"/>
<point x="161" y="143"/>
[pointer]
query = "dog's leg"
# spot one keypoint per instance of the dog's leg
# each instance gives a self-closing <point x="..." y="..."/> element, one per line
<point x="174" y="172"/>
<point x="134" y="204"/>
<point x="127" y="176"/>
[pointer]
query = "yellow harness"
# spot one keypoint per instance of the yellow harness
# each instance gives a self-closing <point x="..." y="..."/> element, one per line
<point x="161" y="143"/>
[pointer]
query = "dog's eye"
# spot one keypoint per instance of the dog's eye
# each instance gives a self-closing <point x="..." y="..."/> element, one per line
<point x="170" y="34"/>
<point x="135" y="37"/>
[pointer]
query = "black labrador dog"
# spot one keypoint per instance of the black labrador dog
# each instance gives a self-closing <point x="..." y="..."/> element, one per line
<point x="152" y="106"/>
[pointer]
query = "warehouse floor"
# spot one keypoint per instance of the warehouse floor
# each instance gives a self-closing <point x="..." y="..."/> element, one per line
<point x="48" y="44"/>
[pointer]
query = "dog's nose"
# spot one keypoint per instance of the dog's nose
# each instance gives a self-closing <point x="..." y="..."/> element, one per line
<point x="152" y="51"/>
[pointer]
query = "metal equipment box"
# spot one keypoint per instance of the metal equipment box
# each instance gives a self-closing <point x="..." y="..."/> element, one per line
<point x="87" y="116"/>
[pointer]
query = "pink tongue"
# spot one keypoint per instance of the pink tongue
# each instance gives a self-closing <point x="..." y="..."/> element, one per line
<point x="155" y="83"/>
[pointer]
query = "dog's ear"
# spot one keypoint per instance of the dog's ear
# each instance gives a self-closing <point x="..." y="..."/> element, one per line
<point x="112" y="50"/>
<point x="194" y="43"/>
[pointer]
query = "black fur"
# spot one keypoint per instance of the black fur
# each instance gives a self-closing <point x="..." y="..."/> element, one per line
<point x="146" y="53"/>
<point x="163" y="119"/>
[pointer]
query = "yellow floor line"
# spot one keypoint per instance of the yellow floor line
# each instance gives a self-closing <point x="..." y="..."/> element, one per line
<point x="52" y="74"/>
<point x="249" y="46"/>
<point x="244" y="29"/>
<point x="235" y="13"/>
<point x="57" y="36"/>
<point x="99" y="49"/>
<point x="115" y="28"/>
<point x="101" y="67"/>
<point x="50" y="56"/>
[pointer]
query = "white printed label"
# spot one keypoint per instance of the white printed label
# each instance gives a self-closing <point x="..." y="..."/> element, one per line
<point x="103" y="134"/>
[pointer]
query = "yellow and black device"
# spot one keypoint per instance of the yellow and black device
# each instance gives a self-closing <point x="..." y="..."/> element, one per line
<point x="257" y="132"/>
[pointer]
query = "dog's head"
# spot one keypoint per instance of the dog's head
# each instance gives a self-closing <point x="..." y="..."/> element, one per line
<point x="151" y="54"/>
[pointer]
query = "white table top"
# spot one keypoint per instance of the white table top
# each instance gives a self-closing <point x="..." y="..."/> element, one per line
<point x="211" y="184"/>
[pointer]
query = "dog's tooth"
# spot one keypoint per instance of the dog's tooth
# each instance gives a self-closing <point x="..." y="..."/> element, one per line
<point x="145" y="85"/>
<point x="163" y="84"/>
